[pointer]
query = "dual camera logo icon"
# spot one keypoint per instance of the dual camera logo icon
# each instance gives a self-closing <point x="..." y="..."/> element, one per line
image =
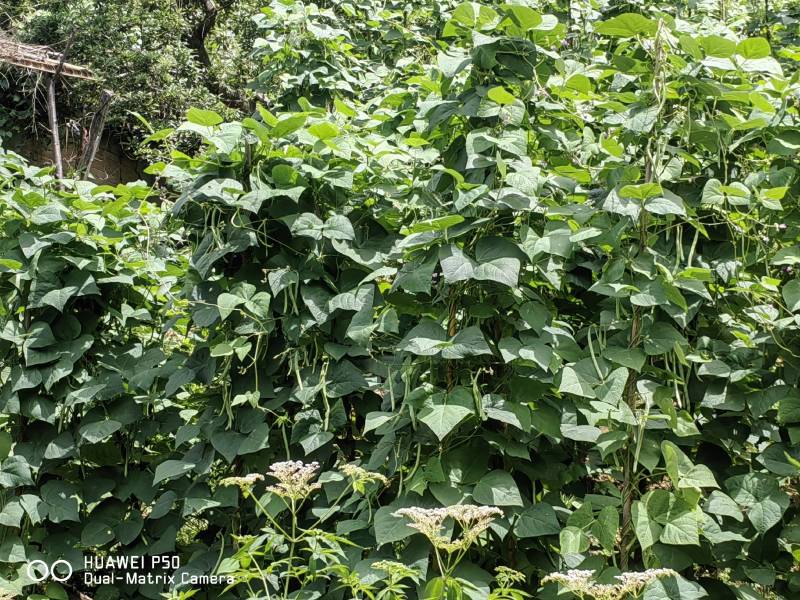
<point x="59" y="570"/>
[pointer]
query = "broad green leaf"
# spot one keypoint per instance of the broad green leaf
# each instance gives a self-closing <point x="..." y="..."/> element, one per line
<point x="227" y="303"/>
<point x="93" y="433"/>
<point x="467" y="342"/>
<point x="572" y="541"/>
<point x="538" y="520"/>
<point x="681" y="525"/>
<point x="673" y="588"/>
<point x="438" y="224"/>
<point x="754" y="48"/>
<point x="573" y="382"/>
<point x="207" y="118"/>
<point x="62" y="500"/>
<point x="323" y="130"/>
<point x="627" y="25"/>
<point x="287" y="126"/>
<point x="647" y="530"/>
<point x="791" y="294"/>
<point x="762" y="498"/>
<point x="633" y="358"/>
<point x="444" y="418"/>
<point x="719" y="503"/>
<point x="500" y="95"/>
<point x="171" y="468"/>
<point x="389" y="528"/>
<point x="456" y="266"/>
<point x="497" y="488"/>
<point x="425" y="339"/>
<point x="715" y="45"/>
<point x="606" y="526"/>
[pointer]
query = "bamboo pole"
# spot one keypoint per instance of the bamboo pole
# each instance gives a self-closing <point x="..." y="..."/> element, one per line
<point x="53" y="120"/>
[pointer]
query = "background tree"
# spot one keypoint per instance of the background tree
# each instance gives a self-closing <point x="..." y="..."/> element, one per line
<point x="159" y="58"/>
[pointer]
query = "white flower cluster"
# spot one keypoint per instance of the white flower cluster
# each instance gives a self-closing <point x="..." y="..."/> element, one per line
<point x="473" y="521"/>
<point x="642" y="578"/>
<point x="243" y="483"/>
<point x="630" y="583"/>
<point x="359" y="474"/>
<point x="506" y="576"/>
<point x="399" y="570"/>
<point x="294" y="479"/>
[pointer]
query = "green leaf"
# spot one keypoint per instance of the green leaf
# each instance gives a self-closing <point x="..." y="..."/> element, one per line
<point x="497" y="488"/>
<point x="791" y="294"/>
<point x="662" y="338"/>
<point x="719" y="503"/>
<point x="12" y="513"/>
<point x="12" y="550"/>
<point x="762" y="498"/>
<point x="287" y="126"/>
<point x="754" y="48"/>
<point x="673" y="588"/>
<point x="425" y="339"/>
<point x="682" y="471"/>
<point x="787" y="256"/>
<point x="389" y="528"/>
<point x="681" y="524"/>
<point x="573" y="382"/>
<point x="93" y="433"/>
<point x="699" y="476"/>
<point x="323" y="130"/>
<point x="580" y="433"/>
<point x="715" y="45"/>
<point x="62" y="500"/>
<point x="467" y="342"/>
<point x="437" y="224"/>
<point x="456" y="266"/>
<point x="627" y="25"/>
<point x="338" y="227"/>
<point x="572" y="541"/>
<point x="206" y="118"/>
<point x="606" y="526"/>
<point x="644" y="191"/>
<point x="633" y="358"/>
<point x="472" y="15"/>
<point x="516" y="415"/>
<point x="523" y="17"/>
<point x="500" y="95"/>
<point x="227" y="303"/>
<point x="170" y="469"/>
<point x="97" y="533"/>
<point x="647" y="530"/>
<point x="444" y="418"/>
<point x="537" y="520"/>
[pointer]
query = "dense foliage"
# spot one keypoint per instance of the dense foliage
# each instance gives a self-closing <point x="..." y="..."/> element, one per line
<point x="483" y="301"/>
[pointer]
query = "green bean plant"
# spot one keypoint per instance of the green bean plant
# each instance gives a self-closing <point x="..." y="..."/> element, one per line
<point x="529" y="268"/>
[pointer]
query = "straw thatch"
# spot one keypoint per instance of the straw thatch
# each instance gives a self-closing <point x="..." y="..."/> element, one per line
<point x="38" y="58"/>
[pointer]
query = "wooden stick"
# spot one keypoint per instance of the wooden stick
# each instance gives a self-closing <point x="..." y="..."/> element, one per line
<point x="51" y="108"/>
<point x="95" y="133"/>
<point x="51" y="114"/>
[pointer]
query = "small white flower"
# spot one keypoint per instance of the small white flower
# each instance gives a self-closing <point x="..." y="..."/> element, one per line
<point x="243" y="483"/>
<point x="473" y="521"/>
<point x="574" y="579"/>
<point x="359" y="474"/>
<point x="630" y="583"/>
<point x="294" y="479"/>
